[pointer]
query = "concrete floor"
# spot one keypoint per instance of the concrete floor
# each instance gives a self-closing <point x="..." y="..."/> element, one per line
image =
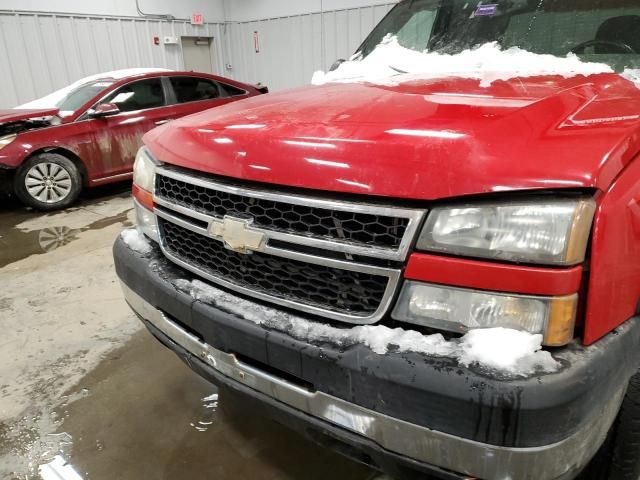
<point x="81" y="380"/>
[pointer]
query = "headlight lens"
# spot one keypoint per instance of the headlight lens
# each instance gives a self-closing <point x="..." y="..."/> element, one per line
<point x="144" y="174"/>
<point x="6" y="140"/>
<point x="461" y="309"/>
<point x="144" y="170"/>
<point x="553" y="232"/>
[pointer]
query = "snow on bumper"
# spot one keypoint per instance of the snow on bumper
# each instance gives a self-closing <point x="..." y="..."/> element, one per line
<point x="429" y="408"/>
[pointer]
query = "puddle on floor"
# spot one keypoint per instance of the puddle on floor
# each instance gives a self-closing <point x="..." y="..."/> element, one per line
<point x="149" y="416"/>
<point x="18" y="241"/>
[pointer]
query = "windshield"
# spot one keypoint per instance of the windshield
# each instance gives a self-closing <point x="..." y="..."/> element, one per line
<point x="81" y="95"/>
<point x="606" y="31"/>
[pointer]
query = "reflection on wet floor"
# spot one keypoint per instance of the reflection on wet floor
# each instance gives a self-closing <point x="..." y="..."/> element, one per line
<point x="149" y="416"/>
<point x="17" y="243"/>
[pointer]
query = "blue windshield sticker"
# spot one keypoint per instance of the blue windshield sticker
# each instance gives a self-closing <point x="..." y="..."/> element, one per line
<point x="486" y="10"/>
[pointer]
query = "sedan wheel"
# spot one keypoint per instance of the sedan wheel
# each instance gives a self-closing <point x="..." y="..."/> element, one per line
<point x="48" y="182"/>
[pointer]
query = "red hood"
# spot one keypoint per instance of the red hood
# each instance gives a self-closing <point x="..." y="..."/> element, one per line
<point x="16" y="114"/>
<point x="423" y="140"/>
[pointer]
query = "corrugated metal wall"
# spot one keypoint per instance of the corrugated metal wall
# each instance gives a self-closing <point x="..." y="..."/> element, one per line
<point x="292" y="48"/>
<point x="40" y="53"/>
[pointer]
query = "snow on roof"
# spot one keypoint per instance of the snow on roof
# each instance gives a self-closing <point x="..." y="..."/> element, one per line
<point x="504" y="350"/>
<point x="52" y="100"/>
<point x="390" y="64"/>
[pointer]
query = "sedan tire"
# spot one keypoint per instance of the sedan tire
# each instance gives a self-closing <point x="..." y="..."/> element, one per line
<point x="48" y="181"/>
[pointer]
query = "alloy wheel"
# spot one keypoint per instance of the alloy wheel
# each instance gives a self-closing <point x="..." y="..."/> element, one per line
<point x="48" y="182"/>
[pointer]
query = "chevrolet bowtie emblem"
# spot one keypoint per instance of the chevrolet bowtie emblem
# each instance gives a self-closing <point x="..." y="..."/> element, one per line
<point x="237" y="234"/>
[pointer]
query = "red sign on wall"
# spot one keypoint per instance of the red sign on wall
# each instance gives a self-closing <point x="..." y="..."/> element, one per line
<point x="197" y="19"/>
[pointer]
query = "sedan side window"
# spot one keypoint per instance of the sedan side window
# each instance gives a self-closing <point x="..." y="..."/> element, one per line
<point x="139" y="95"/>
<point x="193" y="89"/>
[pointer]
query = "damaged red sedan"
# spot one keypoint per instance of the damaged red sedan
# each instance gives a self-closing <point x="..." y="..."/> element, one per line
<point x="90" y="135"/>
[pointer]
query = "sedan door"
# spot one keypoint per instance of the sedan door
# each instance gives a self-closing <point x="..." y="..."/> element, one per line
<point x="143" y="106"/>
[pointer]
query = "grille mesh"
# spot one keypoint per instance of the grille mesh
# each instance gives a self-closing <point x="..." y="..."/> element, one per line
<point x="359" y="228"/>
<point x="343" y="291"/>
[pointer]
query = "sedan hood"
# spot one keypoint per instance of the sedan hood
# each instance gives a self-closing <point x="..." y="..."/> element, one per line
<point x="426" y="139"/>
<point x="17" y="114"/>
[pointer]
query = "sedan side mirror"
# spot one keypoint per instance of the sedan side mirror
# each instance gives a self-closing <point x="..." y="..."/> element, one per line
<point x="104" y="110"/>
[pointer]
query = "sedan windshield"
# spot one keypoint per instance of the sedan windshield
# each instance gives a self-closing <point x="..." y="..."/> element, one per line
<point x="606" y="31"/>
<point x="76" y="98"/>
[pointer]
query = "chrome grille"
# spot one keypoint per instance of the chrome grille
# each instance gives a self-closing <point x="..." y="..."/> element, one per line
<point x="354" y="227"/>
<point x="326" y="270"/>
<point x="334" y="289"/>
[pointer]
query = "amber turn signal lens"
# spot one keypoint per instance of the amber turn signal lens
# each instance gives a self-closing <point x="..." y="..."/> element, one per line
<point x="561" y="321"/>
<point x="143" y="197"/>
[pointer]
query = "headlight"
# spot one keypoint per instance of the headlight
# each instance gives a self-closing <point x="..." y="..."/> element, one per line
<point x="144" y="175"/>
<point x="144" y="170"/>
<point x="540" y="230"/>
<point x="461" y="309"/>
<point x="6" y="140"/>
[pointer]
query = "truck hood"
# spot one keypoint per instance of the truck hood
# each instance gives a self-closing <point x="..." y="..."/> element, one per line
<point x="425" y="139"/>
<point x="17" y="114"/>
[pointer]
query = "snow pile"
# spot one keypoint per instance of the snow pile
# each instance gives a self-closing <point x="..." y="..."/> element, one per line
<point x="136" y="240"/>
<point x="52" y="100"/>
<point x="505" y="349"/>
<point x="391" y="64"/>
<point x="508" y="351"/>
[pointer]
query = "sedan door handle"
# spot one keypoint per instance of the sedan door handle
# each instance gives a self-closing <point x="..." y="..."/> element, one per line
<point x="162" y="122"/>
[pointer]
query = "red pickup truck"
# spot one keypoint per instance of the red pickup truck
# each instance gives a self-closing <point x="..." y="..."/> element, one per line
<point x="362" y="257"/>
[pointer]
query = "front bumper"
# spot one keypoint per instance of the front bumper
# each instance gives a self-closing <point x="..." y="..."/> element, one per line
<point x="428" y="411"/>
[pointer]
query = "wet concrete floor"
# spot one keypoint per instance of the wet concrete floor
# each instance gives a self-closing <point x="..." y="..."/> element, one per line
<point x="84" y="387"/>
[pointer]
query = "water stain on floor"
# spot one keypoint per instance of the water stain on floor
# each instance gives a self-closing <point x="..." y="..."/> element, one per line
<point x="149" y="416"/>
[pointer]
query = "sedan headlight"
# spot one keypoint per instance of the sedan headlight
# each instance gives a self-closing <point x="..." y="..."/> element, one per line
<point x="6" y="140"/>
<point x="461" y="309"/>
<point x="538" y="230"/>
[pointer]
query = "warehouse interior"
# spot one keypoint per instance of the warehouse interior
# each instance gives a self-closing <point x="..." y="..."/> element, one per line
<point x="319" y="239"/>
<point x="245" y="40"/>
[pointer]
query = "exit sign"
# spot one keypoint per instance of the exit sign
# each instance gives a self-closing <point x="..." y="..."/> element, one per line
<point x="197" y="19"/>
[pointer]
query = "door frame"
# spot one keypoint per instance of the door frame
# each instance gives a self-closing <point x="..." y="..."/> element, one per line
<point x="212" y="56"/>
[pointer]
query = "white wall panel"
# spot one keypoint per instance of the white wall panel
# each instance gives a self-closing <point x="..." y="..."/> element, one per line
<point x="292" y="48"/>
<point x="251" y="10"/>
<point x="41" y="53"/>
<point x="213" y="10"/>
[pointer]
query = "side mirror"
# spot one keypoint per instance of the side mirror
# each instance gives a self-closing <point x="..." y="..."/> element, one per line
<point x="336" y="64"/>
<point x="104" y="110"/>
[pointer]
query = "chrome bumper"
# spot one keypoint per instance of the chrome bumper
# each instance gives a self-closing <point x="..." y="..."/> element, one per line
<point x="559" y="460"/>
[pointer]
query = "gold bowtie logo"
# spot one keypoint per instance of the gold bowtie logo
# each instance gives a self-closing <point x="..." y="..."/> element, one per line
<point x="237" y="234"/>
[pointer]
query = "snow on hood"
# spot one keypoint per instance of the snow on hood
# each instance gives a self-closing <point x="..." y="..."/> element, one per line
<point x="52" y="100"/>
<point x="509" y="352"/>
<point x="390" y="64"/>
